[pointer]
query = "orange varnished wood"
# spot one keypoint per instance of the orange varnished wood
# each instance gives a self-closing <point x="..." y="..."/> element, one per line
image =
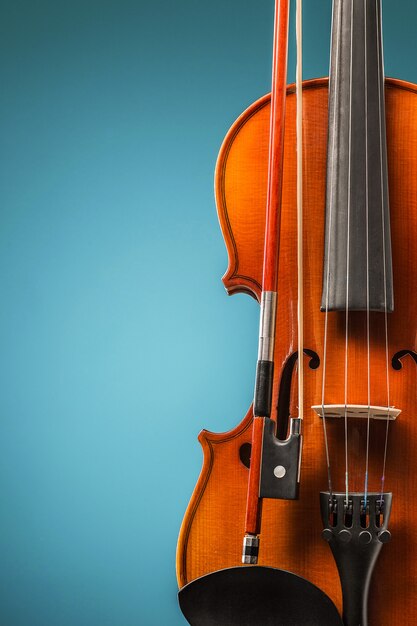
<point x="212" y="530"/>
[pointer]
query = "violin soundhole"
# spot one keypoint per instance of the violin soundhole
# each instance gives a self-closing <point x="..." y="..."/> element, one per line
<point x="396" y="359"/>
<point x="244" y="454"/>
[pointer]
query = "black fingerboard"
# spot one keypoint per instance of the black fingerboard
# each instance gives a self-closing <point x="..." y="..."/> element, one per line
<point x="357" y="269"/>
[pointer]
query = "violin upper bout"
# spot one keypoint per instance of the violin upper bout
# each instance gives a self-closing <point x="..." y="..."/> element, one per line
<point x="240" y="188"/>
<point x="241" y="183"/>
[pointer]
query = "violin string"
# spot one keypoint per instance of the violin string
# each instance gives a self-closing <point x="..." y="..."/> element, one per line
<point x="299" y="124"/>
<point x="336" y="70"/>
<point x="348" y="261"/>
<point x="368" y="425"/>
<point x="380" y="86"/>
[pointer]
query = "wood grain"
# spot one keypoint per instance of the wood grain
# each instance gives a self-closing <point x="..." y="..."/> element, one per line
<point x="212" y="530"/>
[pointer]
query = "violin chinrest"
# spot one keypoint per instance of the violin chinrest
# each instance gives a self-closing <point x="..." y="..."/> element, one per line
<point x="256" y="596"/>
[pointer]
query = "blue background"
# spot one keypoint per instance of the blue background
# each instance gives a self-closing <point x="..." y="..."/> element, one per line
<point x="118" y="343"/>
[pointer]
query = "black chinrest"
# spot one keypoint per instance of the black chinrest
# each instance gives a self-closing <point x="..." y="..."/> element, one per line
<point x="256" y="596"/>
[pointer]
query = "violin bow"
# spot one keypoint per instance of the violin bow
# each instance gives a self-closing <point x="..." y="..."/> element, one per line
<point x="275" y="464"/>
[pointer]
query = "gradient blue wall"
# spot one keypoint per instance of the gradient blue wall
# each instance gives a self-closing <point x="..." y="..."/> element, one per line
<point x="118" y="343"/>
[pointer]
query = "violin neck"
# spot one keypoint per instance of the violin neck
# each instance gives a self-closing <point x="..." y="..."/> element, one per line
<point x="357" y="267"/>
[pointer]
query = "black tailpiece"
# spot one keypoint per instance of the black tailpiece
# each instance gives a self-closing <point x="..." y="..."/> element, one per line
<point x="355" y="536"/>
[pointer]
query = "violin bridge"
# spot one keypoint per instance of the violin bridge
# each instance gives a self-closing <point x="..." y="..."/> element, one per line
<point x="357" y="411"/>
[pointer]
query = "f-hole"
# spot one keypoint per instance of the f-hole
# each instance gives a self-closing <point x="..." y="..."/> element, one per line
<point x="284" y="395"/>
<point x="284" y="399"/>
<point x="244" y="454"/>
<point x="396" y="359"/>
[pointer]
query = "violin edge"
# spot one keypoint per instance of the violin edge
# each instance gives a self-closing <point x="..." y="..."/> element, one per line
<point x="233" y="279"/>
<point x="207" y="439"/>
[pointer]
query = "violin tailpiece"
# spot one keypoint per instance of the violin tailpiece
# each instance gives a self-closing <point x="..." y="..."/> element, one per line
<point x="355" y="534"/>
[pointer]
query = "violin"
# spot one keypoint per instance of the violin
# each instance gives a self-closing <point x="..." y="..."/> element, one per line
<point x="316" y="193"/>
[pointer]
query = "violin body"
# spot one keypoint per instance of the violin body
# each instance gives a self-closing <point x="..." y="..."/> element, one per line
<point x="211" y="533"/>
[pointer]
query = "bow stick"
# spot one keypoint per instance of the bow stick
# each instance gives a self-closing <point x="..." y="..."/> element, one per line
<point x="274" y="468"/>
